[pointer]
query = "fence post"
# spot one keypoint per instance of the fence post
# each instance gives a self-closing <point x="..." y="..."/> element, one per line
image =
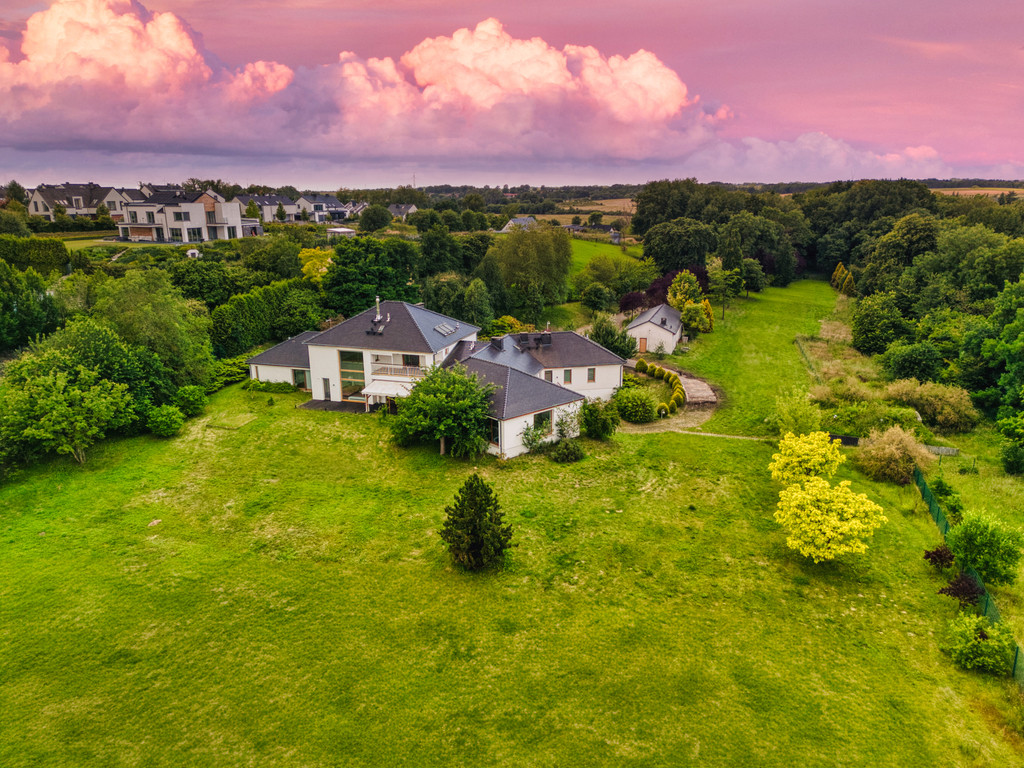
<point x="1016" y="653"/>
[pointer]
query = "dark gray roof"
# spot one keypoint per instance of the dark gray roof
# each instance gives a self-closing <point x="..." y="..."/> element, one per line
<point x="92" y="194"/>
<point x="561" y="349"/>
<point x="403" y="328"/>
<point x="292" y="353"/>
<point x="526" y="222"/>
<point x="656" y="314"/>
<point x="132" y="194"/>
<point x="265" y="199"/>
<point x="325" y="199"/>
<point x="518" y="393"/>
<point x="504" y="351"/>
<point x="170" y="197"/>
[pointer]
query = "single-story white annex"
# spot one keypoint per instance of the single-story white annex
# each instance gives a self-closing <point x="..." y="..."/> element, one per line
<point x="660" y="325"/>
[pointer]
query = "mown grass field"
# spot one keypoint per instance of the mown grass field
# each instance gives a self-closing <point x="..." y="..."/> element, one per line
<point x="294" y="606"/>
<point x="751" y="355"/>
<point x="584" y="250"/>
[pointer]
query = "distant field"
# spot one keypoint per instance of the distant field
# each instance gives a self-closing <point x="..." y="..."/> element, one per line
<point x="77" y="245"/>
<point x="989" y="191"/>
<point x="269" y="589"/>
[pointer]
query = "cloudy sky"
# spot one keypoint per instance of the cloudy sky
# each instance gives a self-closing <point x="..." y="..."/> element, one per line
<point x="329" y="93"/>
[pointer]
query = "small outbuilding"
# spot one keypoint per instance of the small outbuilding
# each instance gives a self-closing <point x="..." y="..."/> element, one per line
<point x="657" y="326"/>
<point x="287" y="362"/>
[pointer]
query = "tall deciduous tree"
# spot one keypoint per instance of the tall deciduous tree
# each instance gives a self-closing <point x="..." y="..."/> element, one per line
<point x="615" y="340"/>
<point x="474" y="527"/>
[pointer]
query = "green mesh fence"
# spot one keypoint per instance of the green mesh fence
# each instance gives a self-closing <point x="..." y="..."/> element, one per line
<point x="986" y="605"/>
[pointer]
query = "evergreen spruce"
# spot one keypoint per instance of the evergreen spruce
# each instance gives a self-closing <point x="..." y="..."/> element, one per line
<point x="473" y="528"/>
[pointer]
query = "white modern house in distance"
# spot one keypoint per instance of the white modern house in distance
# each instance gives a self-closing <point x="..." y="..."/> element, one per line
<point x="181" y="217"/>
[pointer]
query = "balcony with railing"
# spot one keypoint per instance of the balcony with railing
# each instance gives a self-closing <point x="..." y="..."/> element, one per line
<point x="402" y="371"/>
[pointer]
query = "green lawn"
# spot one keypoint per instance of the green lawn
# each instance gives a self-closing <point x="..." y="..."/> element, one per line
<point x="584" y="250"/>
<point x="751" y="355"/>
<point x="294" y="606"/>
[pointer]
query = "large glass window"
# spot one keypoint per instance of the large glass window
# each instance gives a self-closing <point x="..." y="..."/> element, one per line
<point x="410" y="361"/>
<point x="195" y="235"/>
<point x="353" y="378"/>
<point x="495" y="431"/>
<point x="175" y="234"/>
<point x="299" y="378"/>
<point x="542" y="421"/>
<point x="232" y="233"/>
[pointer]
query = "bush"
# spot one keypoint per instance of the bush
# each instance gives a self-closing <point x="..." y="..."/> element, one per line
<point x="533" y="437"/>
<point x="635" y="405"/>
<point x="599" y="419"/>
<point x="803" y="456"/>
<point x="795" y="413"/>
<point x="165" y="421"/>
<point x="892" y="455"/>
<point x="567" y="451"/>
<point x="629" y="381"/>
<point x="975" y="643"/>
<point x="679" y="399"/>
<point x="662" y="410"/>
<point x="941" y="557"/>
<point x="228" y="371"/>
<point x="912" y="361"/>
<point x="473" y="527"/>
<point x="988" y="547"/>
<point x="279" y="387"/>
<point x="641" y="366"/>
<point x="191" y="400"/>
<point x="672" y="407"/>
<point x="1012" y="454"/>
<point x="963" y="588"/>
<point x="860" y="418"/>
<point x="948" y="409"/>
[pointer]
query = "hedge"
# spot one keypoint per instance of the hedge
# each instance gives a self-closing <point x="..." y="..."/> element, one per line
<point x="246" y="320"/>
<point x="43" y="254"/>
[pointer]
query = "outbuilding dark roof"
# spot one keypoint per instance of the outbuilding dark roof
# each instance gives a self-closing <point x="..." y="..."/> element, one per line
<point x="402" y="328"/>
<point x="656" y="315"/>
<point x="292" y="353"/>
<point x="518" y="393"/>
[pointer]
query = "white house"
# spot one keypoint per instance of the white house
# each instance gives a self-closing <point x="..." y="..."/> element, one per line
<point x="563" y="358"/>
<point x="181" y="217"/>
<point x="77" y="199"/>
<point x="268" y="205"/>
<point x="322" y="208"/>
<point x="521" y="222"/>
<point x="400" y="211"/>
<point x="656" y="327"/>
<point x="380" y="354"/>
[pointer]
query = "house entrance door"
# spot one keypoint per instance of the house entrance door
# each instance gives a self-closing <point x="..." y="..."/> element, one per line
<point x="643" y="345"/>
<point x="327" y="389"/>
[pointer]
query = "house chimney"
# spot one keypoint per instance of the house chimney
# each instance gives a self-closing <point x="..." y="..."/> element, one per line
<point x="377" y="318"/>
<point x="389" y="317"/>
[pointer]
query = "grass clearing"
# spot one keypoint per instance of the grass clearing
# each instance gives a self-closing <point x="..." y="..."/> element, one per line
<point x="584" y="250"/>
<point x="273" y="592"/>
<point x="751" y="356"/>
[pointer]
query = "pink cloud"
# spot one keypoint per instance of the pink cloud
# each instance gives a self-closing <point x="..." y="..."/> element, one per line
<point x="112" y="76"/>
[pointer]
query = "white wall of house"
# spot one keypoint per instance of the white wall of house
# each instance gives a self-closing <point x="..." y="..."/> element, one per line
<point x="511" y="430"/>
<point x="273" y="373"/>
<point x="655" y="334"/>
<point x="606" y="379"/>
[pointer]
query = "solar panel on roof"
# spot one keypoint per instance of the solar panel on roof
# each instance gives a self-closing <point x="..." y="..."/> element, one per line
<point x="444" y="329"/>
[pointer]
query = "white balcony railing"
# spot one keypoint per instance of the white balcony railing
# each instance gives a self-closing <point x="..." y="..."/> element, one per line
<point x="406" y="371"/>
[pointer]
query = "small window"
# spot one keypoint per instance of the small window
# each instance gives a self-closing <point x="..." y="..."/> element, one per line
<point x="35" y="206"/>
<point x="211" y="217"/>
<point x="547" y="376"/>
<point x="591" y="374"/>
<point x="112" y="206"/>
<point x="150" y="217"/>
<point x="542" y="421"/>
<point x="567" y="375"/>
<point x="133" y="217"/>
<point x="232" y="233"/>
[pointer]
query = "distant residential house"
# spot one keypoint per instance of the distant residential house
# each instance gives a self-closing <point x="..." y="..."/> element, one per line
<point x="354" y="208"/>
<point x="183" y="217"/>
<point x="148" y="190"/>
<point x="401" y="211"/>
<point x="657" y="326"/>
<point x="268" y="205"/>
<point x="520" y="222"/>
<point x="77" y="199"/>
<point x="322" y="208"/>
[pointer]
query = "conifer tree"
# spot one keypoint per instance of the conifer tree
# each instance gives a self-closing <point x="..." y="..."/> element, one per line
<point x="473" y="528"/>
